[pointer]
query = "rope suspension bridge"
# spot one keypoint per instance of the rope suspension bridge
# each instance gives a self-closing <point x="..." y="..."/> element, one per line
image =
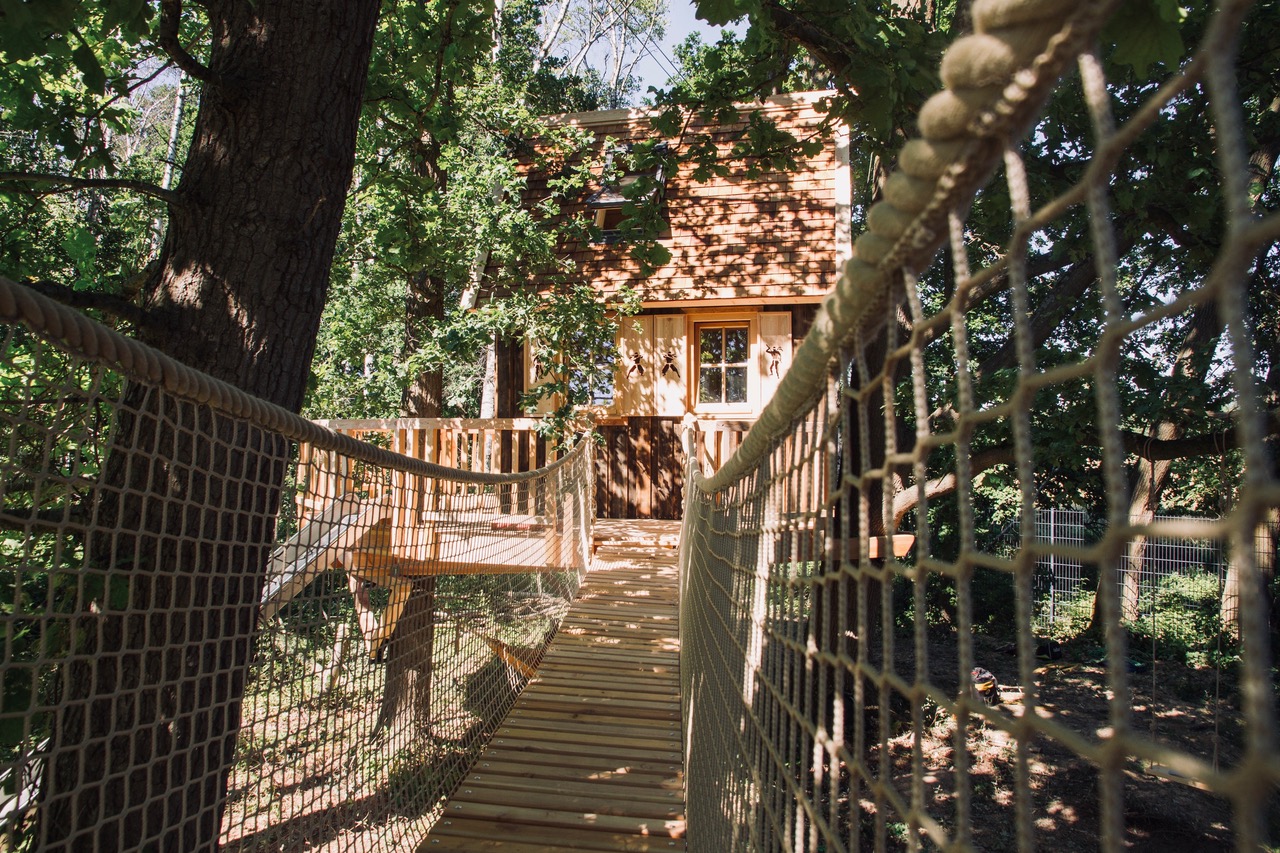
<point x="228" y="627"/>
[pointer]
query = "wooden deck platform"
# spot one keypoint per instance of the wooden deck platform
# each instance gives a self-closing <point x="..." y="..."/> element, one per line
<point x="589" y="759"/>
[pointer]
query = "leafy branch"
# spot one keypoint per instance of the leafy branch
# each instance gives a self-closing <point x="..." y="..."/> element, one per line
<point x="1145" y="447"/>
<point x="116" y="307"/>
<point x="167" y="39"/>
<point x="68" y="183"/>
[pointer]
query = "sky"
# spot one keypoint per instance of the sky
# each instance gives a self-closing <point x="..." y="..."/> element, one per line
<point x="653" y="70"/>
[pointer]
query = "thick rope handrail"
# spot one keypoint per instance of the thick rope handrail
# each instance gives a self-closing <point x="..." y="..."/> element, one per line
<point x="995" y="82"/>
<point x="89" y="339"/>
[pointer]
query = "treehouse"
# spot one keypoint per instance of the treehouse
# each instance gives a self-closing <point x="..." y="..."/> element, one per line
<point x="752" y="253"/>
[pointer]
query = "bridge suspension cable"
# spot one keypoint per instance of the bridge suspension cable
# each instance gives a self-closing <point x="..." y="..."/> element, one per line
<point x="836" y="696"/>
<point x="227" y="626"/>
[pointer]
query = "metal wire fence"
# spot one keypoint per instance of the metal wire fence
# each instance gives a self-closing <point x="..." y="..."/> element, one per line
<point x="838" y="695"/>
<point x="1151" y="568"/>
<point x="209" y="644"/>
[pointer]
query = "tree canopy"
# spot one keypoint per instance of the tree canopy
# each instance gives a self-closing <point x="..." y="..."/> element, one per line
<point x="880" y="61"/>
<point x="88" y="98"/>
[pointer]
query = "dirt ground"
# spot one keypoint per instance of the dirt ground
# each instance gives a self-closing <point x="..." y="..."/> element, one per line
<point x="315" y="772"/>
<point x="1159" y="814"/>
<point x="316" y="776"/>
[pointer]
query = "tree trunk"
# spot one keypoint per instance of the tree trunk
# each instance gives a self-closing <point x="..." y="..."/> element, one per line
<point x="424" y="396"/>
<point x="1190" y="367"/>
<point x="1264" y="546"/>
<point x="171" y="156"/>
<point x="424" y="296"/>
<point x="149" y="702"/>
<point x="246" y="261"/>
<point x="1142" y="510"/>
<point x="406" y="698"/>
<point x="489" y="384"/>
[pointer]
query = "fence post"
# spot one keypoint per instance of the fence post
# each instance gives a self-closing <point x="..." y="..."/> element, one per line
<point x="1053" y="572"/>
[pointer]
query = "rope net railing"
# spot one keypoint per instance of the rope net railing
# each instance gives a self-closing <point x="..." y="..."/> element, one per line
<point x="228" y="628"/>
<point x="859" y="665"/>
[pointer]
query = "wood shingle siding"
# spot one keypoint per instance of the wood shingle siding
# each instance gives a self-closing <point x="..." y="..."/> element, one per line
<point x="732" y="238"/>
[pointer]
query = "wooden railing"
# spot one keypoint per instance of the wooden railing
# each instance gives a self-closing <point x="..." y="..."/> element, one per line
<point x="638" y="472"/>
<point x="495" y="445"/>
<point x="716" y="441"/>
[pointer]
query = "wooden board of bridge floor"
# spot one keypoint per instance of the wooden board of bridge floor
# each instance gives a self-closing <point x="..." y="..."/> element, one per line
<point x="589" y="759"/>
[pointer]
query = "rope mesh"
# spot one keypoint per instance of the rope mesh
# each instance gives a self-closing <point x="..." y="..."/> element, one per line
<point x="831" y="702"/>
<point x="220" y="633"/>
<point x="225" y="626"/>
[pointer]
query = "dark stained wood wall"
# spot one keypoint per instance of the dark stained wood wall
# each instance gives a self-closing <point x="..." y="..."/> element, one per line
<point x="640" y="469"/>
<point x="639" y="464"/>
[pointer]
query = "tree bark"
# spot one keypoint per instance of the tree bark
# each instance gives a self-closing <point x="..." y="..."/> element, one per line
<point x="149" y="700"/>
<point x="246" y="259"/>
<point x="171" y="155"/>
<point x="1264" y="547"/>
<point x="424" y="396"/>
<point x="406" y="699"/>
<point x="424" y="296"/>
<point x="1190" y="367"/>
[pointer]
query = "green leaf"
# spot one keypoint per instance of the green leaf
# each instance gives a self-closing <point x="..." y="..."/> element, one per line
<point x="1146" y="33"/>
<point x="651" y="256"/>
<point x="719" y="12"/>
<point x="20" y="34"/>
<point x="131" y="16"/>
<point x="83" y="251"/>
<point x="95" y="79"/>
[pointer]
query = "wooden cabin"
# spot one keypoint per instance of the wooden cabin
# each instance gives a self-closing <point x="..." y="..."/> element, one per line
<point x="750" y="259"/>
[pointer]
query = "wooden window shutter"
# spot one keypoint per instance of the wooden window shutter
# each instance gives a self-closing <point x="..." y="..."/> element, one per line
<point x="671" y="365"/>
<point x="532" y="380"/>
<point x="634" y="379"/>
<point x="774" y="351"/>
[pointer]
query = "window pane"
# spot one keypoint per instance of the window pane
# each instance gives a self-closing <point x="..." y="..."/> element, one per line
<point x="711" y="346"/>
<point x="602" y="394"/>
<point x="710" y="385"/>
<point x="735" y="384"/>
<point x="735" y="346"/>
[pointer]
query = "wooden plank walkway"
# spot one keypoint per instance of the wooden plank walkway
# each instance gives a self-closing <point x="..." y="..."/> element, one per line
<point x="589" y="759"/>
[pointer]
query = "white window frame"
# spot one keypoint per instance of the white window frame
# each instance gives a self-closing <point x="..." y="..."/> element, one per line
<point x="749" y="320"/>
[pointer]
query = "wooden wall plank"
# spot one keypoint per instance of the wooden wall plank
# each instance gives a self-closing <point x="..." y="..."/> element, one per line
<point x="619" y="469"/>
<point x="671" y="365"/>
<point x="774" y="351"/>
<point x="603" y="470"/>
<point x="668" y="473"/>
<point x="784" y="218"/>
<point x="640" y="481"/>
<point x="639" y="469"/>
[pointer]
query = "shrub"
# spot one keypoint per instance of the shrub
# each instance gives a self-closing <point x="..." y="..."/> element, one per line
<point x="1181" y="619"/>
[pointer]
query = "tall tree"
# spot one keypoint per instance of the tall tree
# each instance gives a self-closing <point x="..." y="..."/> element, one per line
<point x="238" y="293"/>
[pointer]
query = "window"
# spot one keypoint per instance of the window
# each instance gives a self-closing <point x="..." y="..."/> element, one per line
<point x="609" y="221"/>
<point x="597" y="388"/>
<point x="608" y="202"/>
<point x="723" y="354"/>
